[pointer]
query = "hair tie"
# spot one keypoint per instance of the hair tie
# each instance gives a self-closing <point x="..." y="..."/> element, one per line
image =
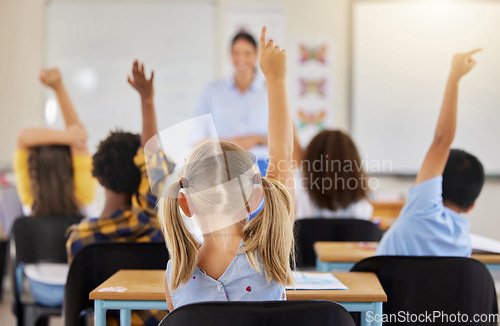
<point x="184" y="183"/>
<point x="257" y="179"/>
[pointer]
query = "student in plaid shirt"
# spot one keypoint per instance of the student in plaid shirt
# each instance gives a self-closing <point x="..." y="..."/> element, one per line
<point x="129" y="213"/>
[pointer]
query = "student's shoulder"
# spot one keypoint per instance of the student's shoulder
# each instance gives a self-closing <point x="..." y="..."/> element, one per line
<point x="361" y="209"/>
<point x="424" y="204"/>
<point x="20" y="159"/>
<point x="21" y="153"/>
<point x="82" y="161"/>
<point x="140" y="158"/>
<point x="431" y="184"/>
<point x="426" y="193"/>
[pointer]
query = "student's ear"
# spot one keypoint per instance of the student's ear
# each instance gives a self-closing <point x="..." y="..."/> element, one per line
<point x="183" y="203"/>
<point x="255" y="198"/>
<point x="471" y="207"/>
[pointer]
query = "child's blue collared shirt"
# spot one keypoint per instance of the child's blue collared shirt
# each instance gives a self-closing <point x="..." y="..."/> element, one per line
<point x="426" y="227"/>
<point x="240" y="282"/>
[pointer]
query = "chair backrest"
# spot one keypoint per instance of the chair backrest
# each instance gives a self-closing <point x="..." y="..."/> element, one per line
<point x="269" y="313"/>
<point x="421" y="285"/>
<point x="41" y="239"/>
<point x="310" y="230"/>
<point x="95" y="263"/>
<point x="34" y="240"/>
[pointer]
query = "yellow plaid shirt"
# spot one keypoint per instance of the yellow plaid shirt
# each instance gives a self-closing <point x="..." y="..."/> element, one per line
<point x="138" y="223"/>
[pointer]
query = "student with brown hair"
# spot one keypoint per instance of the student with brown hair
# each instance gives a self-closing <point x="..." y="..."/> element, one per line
<point x="333" y="183"/>
<point x="53" y="177"/>
<point x="129" y="213"/>
<point x="53" y="167"/>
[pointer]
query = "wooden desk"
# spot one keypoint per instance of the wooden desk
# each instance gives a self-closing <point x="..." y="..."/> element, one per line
<point x="387" y="208"/>
<point x="144" y="289"/>
<point x="385" y="213"/>
<point x="331" y="255"/>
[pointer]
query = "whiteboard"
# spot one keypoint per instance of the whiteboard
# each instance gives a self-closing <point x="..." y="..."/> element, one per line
<point x="94" y="44"/>
<point x="401" y="55"/>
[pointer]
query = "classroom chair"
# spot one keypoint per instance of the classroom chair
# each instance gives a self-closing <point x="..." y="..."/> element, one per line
<point x="269" y="313"/>
<point x="95" y="263"/>
<point x="4" y="245"/>
<point x="420" y="285"/>
<point x="36" y="240"/>
<point x="310" y="230"/>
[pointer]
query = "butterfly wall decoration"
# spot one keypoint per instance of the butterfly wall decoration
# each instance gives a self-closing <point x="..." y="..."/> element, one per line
<point x="312" y="86"/>
<point x="313" y="53"/>
<point x="315" y="118"/>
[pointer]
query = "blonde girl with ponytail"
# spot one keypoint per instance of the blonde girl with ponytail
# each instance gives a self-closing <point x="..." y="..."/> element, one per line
<point x="246" y="220"/>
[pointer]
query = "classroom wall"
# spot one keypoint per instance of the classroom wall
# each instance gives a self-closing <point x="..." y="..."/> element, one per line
<point x="21" y="96"/>
<point x="21" y="39"/>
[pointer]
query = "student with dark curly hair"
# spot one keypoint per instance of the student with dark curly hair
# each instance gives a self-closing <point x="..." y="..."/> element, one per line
<point x="129" y="212"/>
<point x="114" y="160"/>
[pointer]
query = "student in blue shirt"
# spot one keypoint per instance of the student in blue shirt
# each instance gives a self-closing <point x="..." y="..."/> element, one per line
<point x="447" y="185"/>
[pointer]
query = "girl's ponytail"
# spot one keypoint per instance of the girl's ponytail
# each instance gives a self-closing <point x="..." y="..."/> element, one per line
<point x="270" y="236"/>
<point x="181" y="244"/>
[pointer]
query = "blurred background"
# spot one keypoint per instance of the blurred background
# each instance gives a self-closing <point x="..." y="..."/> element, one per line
<point x="374" y="68"/>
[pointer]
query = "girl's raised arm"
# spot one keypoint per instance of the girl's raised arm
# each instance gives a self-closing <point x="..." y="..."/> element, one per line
<point x="52" y="78"/>
<point x="280" y="127"/>
<point x="74" y="136"/>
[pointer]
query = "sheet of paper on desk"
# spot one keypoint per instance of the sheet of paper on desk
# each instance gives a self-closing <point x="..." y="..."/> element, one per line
<point x="316" y="281"/>
<point x="484" y="243"/>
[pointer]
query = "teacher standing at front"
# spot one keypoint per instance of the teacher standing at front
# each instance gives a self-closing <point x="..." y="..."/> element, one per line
<point x="238" y="104"/>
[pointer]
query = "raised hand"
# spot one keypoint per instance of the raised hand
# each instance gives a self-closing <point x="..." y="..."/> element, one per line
<point x="51" y="77"/>
<point x="139" y="81"/>
<point x="272" y="59"/>
<point x="77" y="135"/>
<point x="437" y="155"/>
<point x="145" y="88"/>
<point x="280" y="126"/>
<point x="463" y="63"/>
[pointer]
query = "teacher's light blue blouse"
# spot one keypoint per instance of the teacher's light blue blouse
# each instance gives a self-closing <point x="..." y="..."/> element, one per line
<point x="234" y="114"/>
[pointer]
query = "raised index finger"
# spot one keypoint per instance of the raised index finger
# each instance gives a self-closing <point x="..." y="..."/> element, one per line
<point x="475" y="51"/>
<point x="135" y="67"/>
<point x="262" y="43"/>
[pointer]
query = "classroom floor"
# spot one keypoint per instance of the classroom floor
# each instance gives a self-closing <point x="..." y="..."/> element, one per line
<point x="7" y="318"/>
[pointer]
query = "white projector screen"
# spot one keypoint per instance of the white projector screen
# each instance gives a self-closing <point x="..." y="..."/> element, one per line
<point x="401" y="55"/>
